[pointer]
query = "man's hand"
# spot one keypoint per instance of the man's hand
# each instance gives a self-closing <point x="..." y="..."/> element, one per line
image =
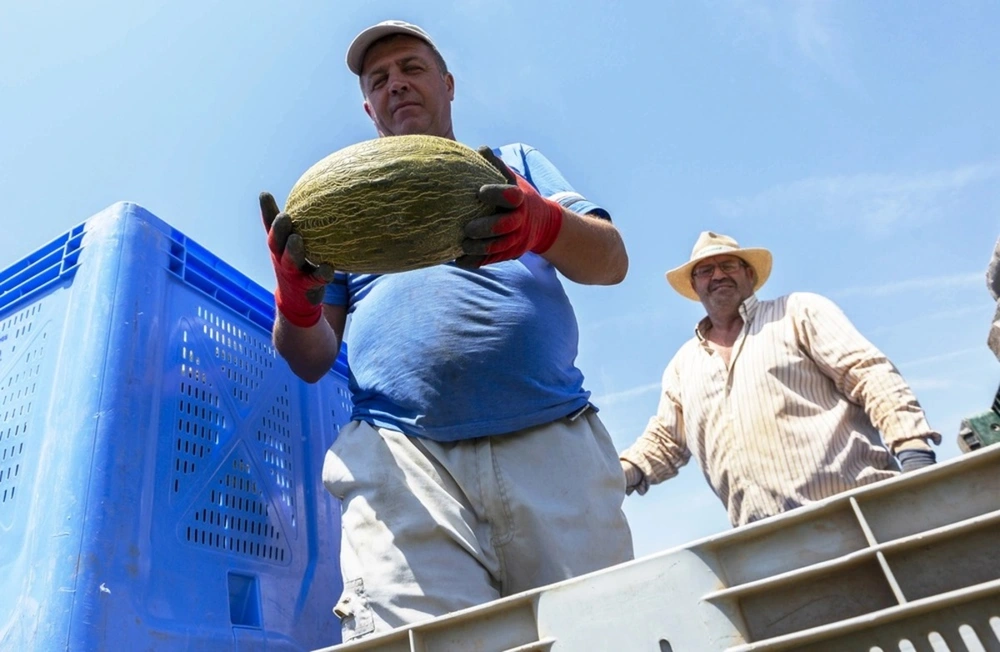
<point x="914" y="458"/>
<point x="634" y="478"/>
<point x="299" y="295"/>
<point x="525" y="220"/>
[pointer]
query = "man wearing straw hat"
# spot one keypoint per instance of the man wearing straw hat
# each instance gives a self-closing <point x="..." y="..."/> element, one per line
<point x="780" y="401"/>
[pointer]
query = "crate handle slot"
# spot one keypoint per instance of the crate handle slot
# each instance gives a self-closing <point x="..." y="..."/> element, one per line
<point x="244" y="600"/>
<point x="199" y="268"/>
<point x="52" y="264"/>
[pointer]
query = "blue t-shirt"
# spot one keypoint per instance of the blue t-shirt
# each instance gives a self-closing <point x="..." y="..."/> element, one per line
<point x="447" y="353"/>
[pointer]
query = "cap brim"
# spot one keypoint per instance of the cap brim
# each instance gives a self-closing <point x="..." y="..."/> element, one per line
<point x="359" y="46"/>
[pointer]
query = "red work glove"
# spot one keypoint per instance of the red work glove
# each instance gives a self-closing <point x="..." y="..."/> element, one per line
<point x="299" y="295"/>
<point x="526" y="221"/>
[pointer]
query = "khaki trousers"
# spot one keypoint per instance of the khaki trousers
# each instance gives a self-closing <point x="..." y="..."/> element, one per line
<point x="431" y="527"/>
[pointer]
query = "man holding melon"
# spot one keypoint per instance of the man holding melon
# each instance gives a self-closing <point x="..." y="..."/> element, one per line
<point x="474" y="466"/>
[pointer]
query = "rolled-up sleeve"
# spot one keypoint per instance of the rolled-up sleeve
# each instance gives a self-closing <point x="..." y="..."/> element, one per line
<point x="547" y="180"/>
<point x="861" y="372"/>
<point x="661" y="450"/>
<point x="335" y="293"/>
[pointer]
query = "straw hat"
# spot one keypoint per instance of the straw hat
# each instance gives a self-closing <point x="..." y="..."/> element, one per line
<point x="715" y="244"/>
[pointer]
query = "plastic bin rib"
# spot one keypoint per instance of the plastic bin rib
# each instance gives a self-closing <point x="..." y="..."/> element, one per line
<point x="908" y="563"/>
<point x="842" y="635"/>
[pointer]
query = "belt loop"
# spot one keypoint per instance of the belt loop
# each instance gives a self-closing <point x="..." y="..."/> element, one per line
<point x="573" y="416"/>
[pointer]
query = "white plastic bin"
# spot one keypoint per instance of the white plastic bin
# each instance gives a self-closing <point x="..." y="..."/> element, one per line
<point x="912" y="563"/>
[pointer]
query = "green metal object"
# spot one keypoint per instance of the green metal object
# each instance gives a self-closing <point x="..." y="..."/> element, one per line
<point x="981" y="429"/>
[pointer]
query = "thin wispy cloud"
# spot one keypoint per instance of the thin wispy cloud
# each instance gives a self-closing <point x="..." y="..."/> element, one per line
<point x="792" y="29"/>
<point x="954" y="313"/>
<point x="944" y="357"/>
<point x="607" y="400"/>
<point x="923" y="284"/>
<point x="874" y="202"/>
<point x="814" y="34"/>
<point x="930" y="384"/>
<point x="631" y="321"/>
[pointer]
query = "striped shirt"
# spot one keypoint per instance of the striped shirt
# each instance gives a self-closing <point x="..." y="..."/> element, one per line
<point x="795" y="417"/>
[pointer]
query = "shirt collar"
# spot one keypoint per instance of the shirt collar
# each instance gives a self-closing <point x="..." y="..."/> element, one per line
<point x="749" y="308"/>
<point x="747" y="311"/>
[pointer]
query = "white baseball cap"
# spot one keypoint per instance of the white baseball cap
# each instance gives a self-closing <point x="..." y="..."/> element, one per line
<point x="359" y="46"/>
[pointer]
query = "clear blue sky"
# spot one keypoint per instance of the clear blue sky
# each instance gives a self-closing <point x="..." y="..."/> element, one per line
<point x="859" y="141"/>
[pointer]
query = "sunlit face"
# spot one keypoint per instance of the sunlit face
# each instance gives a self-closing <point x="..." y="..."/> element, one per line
<point x="405" y="90"/>
<point x="722" y="282"/>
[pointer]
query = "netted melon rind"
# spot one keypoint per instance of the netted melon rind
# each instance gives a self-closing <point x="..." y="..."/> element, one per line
<point x="390" y="204"/>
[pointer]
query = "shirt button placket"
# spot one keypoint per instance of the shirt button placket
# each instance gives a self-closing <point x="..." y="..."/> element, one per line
<point x="729" y="398"/>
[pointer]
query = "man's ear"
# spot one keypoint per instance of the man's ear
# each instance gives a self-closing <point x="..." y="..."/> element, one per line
<point x="449" y="81"/>
<point x="371" y="116"/>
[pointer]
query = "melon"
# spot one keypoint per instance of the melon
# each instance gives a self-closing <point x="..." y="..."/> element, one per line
<point x="390" y="204"/>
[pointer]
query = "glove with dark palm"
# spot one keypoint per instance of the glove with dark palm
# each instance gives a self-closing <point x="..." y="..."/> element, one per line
<point x="299" y="295"/>
<point x="913" y="459"/>
<point x="525" y="221"/>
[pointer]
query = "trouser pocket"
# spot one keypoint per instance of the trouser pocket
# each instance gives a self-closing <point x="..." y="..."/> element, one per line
<point x="355" y="615"/>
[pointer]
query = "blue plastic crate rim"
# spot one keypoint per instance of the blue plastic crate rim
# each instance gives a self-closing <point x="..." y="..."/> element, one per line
<point x="56" y="263"/>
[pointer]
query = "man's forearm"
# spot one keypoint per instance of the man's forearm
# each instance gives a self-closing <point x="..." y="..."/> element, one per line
<point x="656" y="453"/>
<point x="892" y="406"/>
<point x="589" y="250"/>
<point x="861" y="372"/>
<point x="309" y="352"/>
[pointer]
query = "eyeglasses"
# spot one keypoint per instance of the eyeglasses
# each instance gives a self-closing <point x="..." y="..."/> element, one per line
<point x="727" y="267"/>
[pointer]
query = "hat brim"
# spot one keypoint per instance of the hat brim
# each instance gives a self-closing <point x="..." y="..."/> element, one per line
<point x="757" y="258"/>
<point x="359" y="46"/>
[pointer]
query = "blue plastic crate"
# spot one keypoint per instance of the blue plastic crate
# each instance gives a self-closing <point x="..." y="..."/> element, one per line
<point x="160" y="465"/>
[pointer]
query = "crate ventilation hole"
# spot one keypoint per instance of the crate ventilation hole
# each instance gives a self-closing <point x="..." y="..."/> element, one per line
<point x="969" y="637"/>
<point x="237" y="505"/>
<point x="238" y="520"/>
<point x="341" y="412"/>
<point x="17" y="389"/>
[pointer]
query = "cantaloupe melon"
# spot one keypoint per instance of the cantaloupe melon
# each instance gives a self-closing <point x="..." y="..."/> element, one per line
<point x="391" y="204"/>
